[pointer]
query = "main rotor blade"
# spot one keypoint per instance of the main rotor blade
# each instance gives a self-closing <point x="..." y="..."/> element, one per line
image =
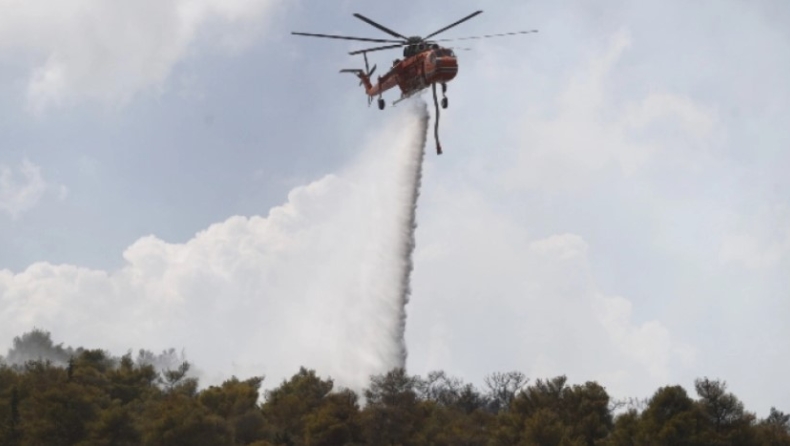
<point x="453" y="24"/>
<point x="381" y="27"/>
<point x="378" y="48"/>
<point x="330" y="36"/>
<point x="488" y="35"/>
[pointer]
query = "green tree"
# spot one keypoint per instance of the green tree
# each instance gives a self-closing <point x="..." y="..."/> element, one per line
<point x="91" y="398"/>
<point x="625" y="430"/>
<point x="503" y="388"/>
<point x="552" y="413"/>
<point x="335" y="422"/>
<point x="237" y="402"/>
<point x="778" y="419"/>
<point x="774" y="430"/>
<point x="90" y="368"/>
<point x="115" y="426"/>
<point x="392" y="415"/>
<point x="545" y="427"/>
<point x="9" y="407"/>
<point x="440" y="387"/>
<point x="287" y="407"/>
<point x="177" y="381"/>
<point x="455" y="413"/>
<point x="452" y="426"/>
<point x="725" y="420"/>
<point x="180" y="420"/>
<point x="60" y="415"/>
<point x="671" y="419"/>
<point x="129" y="382"/>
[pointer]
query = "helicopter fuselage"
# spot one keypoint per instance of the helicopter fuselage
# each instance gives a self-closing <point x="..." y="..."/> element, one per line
<point x="417" y="72"/>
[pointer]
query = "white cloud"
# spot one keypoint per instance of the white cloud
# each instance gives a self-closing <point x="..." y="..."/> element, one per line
<point x="108" y="51"/>
<point x="760" y="241"/>
<point x="565" y="246"/>
<point x="512" y="301"/>
<point x="304" y="286"/>
<point x="21" y="188"/>
<point x="310" y="284"/>
<point x="63" y="192"/>
<point x="586" y="131"/>
<point x="650" y="343"/>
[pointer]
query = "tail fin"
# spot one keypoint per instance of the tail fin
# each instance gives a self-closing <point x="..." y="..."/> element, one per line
<point x="364" y="78"/>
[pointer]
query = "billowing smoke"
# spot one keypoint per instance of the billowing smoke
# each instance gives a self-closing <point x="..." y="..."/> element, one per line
<point x="320" y="282"/>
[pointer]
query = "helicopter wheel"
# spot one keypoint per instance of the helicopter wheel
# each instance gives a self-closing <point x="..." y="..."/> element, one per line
<point x="382" y="104"/>
<point x="444" y="102"/>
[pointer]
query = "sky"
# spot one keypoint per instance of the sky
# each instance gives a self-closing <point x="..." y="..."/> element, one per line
<point x="612" y="202"/>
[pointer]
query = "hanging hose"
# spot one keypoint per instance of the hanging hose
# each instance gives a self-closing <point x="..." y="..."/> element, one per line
<point x="436" y="123"/>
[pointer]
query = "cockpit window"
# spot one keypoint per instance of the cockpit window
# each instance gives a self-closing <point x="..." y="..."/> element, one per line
<point x="444" y="52"/>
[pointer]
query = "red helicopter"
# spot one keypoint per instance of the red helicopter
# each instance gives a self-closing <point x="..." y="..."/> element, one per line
<point x="424" y="63"/>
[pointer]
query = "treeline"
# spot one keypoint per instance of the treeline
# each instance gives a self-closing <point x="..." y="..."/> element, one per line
<point x="92" y="398"/>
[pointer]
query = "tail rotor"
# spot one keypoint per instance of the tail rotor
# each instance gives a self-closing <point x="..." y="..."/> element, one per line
<point x="362" y="74"/>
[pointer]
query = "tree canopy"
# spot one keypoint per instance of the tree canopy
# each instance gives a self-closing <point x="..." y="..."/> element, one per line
<point x="62" y="396"/>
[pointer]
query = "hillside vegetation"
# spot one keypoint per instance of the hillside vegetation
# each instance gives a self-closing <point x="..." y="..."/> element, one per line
<point x="51" y="395"/>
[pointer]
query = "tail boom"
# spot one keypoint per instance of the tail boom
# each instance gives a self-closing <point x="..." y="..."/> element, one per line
<point x="364" y="79"/>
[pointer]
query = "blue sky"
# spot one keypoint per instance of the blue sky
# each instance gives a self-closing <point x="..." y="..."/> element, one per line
<point x="612" y="203"/>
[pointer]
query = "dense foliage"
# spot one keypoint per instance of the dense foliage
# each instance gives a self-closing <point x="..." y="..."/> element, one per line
<point x="87" y="397"/>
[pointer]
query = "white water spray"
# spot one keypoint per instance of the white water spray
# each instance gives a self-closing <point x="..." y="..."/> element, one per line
<point x="321" y="281"/>
<point x="392" y="171"/>
<point x="411" y="180"/>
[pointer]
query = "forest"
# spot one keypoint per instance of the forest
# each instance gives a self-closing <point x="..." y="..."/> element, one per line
<point x="51" y="395"/>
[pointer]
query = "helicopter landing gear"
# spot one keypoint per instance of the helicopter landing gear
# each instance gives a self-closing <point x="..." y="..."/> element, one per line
<point x="444" y="97"/>
<point x="382" y="104"/>
<point x="444" y="102"/>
